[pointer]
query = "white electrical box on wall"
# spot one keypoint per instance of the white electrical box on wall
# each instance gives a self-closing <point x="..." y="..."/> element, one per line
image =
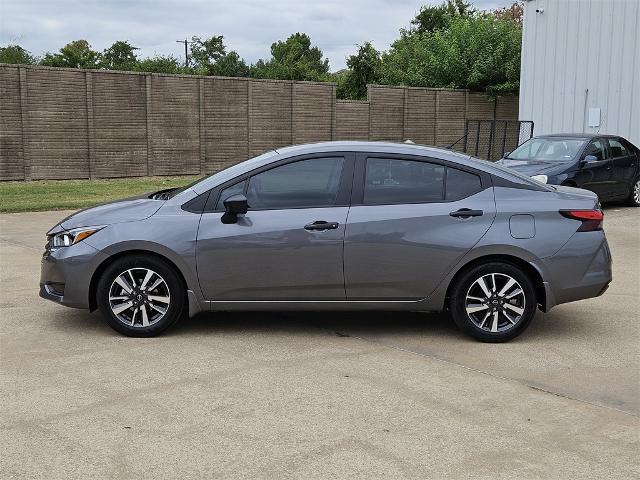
<point x="594" y="117"/>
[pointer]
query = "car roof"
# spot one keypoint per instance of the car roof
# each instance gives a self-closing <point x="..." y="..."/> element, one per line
<point x="350" y="146"/>
<point x="577" y="135"/>
<point x="371" y="147"/>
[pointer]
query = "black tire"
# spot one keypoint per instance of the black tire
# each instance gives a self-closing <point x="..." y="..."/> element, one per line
<point x="172" y="288"/>
<point x="633" y="200"/>
<point x="467" y="284"/>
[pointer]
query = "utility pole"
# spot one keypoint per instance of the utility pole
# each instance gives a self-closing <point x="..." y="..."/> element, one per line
<point x="186" y="52"/>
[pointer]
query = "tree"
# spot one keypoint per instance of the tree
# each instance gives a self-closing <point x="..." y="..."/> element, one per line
<point x="210" y="57"/>
<point x="515" y="13"/>
<point x="205" y="53"/>
<point x="433" y="18"/>
<point x="159" y="64"/>
<point x="119" y="56"/>
<point x="16" y="54"/>
<point x="364" y="69"/>
<point x="293" y="59"/>
<point x="230" y="65"/>
<point x="479" y="52"/>
<point x="76" y="54"/>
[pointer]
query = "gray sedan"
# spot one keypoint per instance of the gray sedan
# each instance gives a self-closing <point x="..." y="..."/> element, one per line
<point x="336" y="226"/>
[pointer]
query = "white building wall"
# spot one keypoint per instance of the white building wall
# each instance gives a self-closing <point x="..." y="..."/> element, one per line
<point x="577" y="55"/>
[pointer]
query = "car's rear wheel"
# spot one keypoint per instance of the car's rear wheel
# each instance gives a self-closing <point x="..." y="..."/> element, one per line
<point x="493" y="302"/>
<point x="140" y="295"/>
<point x="634" y="197"/>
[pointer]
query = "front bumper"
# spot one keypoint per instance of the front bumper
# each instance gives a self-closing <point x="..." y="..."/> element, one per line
<point x="66" y="273"/>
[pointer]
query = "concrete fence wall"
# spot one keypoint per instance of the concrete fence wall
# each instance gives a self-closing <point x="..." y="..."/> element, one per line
<point x="67" y="123"/>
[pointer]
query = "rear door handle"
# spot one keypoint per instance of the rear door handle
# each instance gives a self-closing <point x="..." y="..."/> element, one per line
<point x="466" y="213"/>
<point x="321" y="225"/>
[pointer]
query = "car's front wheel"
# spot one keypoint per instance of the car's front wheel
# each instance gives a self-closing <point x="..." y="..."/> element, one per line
<point x="140" y="295"/>
<point x="634" y="197"/>
<point x="493" y="302"/>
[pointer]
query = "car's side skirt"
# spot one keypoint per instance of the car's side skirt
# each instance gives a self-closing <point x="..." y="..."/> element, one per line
<point x="312" y="305"/>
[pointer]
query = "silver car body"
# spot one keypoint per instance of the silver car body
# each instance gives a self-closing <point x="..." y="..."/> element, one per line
<point x="395" y="257"/>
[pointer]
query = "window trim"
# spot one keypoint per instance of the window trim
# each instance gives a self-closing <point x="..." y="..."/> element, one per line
<point x="357" y="198"/>
<point x="344" y="185"/>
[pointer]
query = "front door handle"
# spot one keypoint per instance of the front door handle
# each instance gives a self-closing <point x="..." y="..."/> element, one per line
<point x="321" y="225"/>
<point x="466" y="213"/>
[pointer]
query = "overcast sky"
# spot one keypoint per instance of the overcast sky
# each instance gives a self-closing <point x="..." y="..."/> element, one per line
<point x="248" y="26"/>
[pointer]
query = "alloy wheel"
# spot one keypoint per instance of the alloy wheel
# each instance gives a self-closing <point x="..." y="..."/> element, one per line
<point x="139" y="297"/>
<point x="495" y="302"/>
<point x="636" y="192"/>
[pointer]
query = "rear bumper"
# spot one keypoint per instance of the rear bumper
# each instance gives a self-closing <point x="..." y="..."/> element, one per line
<point x="580" y="269"/>
<point x="65" y="274"/>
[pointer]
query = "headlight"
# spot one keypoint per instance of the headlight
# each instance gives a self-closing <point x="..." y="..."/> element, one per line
<point x="73" y="236"/>
<point x="540" y="178"/>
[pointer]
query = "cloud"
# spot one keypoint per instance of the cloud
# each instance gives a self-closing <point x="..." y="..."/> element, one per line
<point x="249" y="26"/>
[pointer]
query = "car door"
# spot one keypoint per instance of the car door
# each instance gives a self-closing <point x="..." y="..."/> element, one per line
<point x="623" y="166"/>
<point x="411" y="220"/>
<point x="595" y="175"/>
<point x="288" y="246"/>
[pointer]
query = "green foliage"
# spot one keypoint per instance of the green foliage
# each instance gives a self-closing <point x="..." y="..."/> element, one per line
<point x="119" y="56"/>
<point x="230" y="65"/>
<point x="15" y="54"/>
<point x="433" y="18"/>
<point x="76" y="54"/>
<point x="479" y="52"/>
<point x="293" y="59"/>
<point x="450" y="45"/>
<point x="364" y="68"/>
<point x="160" y="64"/>
<point x="210" y="57"/>
<point x="205" y="53"/>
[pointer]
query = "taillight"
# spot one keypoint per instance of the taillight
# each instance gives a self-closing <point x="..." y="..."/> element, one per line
<point x="591" y="219"/>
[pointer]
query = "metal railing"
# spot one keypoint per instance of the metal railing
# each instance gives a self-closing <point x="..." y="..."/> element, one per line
<point x="491" y="139"/>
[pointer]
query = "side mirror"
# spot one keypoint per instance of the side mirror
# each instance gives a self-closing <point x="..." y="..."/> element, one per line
<point x="233" y="206"/>
<point x="589" y="159"/>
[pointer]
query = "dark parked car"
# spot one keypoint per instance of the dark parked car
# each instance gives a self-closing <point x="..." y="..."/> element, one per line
<point x="336" y="226"/>
<point x="604" y="164"/>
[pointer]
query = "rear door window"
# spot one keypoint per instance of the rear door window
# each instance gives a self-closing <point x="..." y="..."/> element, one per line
<point x="461" y="184"/>
<point x="392" y="181"/>
<point x="618" y="149"/>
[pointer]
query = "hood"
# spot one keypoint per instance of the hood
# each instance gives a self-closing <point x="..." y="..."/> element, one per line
<point x="533" y="167"/>
<point x="119" y="211"/>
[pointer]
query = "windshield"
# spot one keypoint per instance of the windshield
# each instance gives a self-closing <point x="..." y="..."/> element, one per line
<point x="548" y="149"/>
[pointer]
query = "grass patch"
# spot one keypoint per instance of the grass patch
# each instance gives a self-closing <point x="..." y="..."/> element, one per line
<point x="74" y="194"/>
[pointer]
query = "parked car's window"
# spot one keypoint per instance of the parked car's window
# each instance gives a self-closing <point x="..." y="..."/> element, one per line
<point x="596" y="148"/>
<point x="307" y="183"/>
<point x="618" y="149"/>
<point x="548" y="149"/>
<point x="461" y="184"/>
<point x="402" y="181"/>
<point x="228" y="192"/>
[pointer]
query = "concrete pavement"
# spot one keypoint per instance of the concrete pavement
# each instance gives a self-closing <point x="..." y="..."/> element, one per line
<point x="299" y="395"/>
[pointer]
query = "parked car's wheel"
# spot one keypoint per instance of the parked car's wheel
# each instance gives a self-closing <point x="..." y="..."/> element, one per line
<point x="634" y="197"/>
<point x="493" y="302"/>
<point x="140" y="295"/>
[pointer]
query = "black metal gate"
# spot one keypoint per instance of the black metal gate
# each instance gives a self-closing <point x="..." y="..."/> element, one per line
<point x="491" y="139"/>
